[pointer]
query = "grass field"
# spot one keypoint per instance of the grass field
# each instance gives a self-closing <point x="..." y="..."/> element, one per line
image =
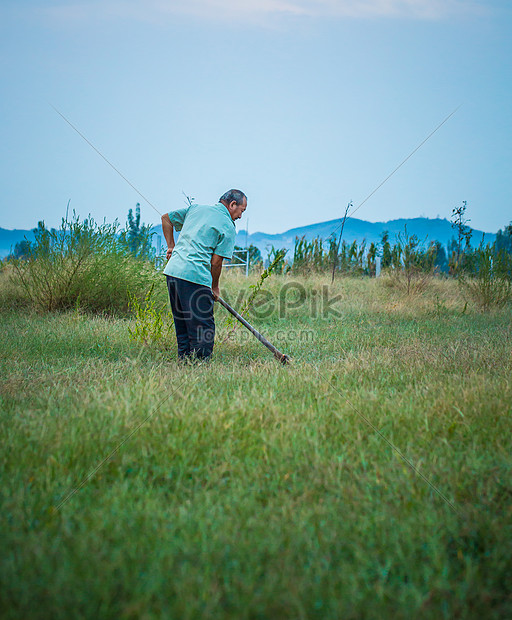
<point x="254" y="490"/>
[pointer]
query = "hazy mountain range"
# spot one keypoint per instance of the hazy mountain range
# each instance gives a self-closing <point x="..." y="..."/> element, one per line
<point x="425" y="228"/>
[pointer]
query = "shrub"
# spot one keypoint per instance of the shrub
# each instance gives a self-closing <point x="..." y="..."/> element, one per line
<point x="309" y="256"/>
<point x="347" y="259"/>
<point x="276" y="262"/>
<point x="491" y="284"/>
<point x="152" y="324"/>
<point x="386" y="250"/>
<point x="81" y="263"/>
<point x="412" y="267"/>
<point x="464" y="233"/>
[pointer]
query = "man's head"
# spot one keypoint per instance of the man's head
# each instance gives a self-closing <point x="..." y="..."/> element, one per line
<point x="235" y="202"/>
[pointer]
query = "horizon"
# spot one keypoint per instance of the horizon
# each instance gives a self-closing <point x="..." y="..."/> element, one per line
<point x="338" y="219"/>
<point x="418" y="226"/>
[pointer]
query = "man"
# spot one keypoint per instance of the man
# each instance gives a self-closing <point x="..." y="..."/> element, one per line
<point x="207" y="237"/>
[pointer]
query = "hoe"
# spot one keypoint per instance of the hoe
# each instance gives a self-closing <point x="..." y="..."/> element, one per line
<point x="284" y="359"/>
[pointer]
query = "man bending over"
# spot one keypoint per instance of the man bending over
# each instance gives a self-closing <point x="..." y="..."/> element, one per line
<point x="207" y="237"/>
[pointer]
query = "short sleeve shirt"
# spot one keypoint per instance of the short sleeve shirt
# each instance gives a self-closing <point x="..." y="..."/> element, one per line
<point x="204" y="230"/>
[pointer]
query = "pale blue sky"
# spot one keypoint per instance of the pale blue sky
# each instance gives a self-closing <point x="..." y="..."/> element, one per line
<point x="303" y="104"/>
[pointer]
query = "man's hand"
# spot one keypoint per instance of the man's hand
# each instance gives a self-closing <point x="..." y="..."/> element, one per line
<point x="169" y="252"/>
<point x="215" y="292"/>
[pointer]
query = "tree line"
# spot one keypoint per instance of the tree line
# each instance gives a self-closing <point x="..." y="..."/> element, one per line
<point x="406" y="252"/>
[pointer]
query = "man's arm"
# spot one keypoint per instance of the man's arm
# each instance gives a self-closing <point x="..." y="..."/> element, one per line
<point x="216" y="269"/>
<point x="168" y="230"/>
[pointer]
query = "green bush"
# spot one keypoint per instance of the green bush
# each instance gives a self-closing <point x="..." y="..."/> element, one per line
<point x="412" y="266"/>
<point x="276" y="262"/>
<point x="82" y="264"/>
<point x="347" y="259"/>
<point x="152" y="323"/>
<point x="309" y="256"/>
<point x="490" y="285"/>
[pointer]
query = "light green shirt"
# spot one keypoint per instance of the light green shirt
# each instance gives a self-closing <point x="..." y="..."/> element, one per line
<point x="204" y="230"/>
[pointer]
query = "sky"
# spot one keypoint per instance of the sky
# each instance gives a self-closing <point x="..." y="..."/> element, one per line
<point x="305" y="105"/>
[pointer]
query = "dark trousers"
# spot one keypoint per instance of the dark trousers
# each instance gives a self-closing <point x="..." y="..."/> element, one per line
<point x="192" y="309"/>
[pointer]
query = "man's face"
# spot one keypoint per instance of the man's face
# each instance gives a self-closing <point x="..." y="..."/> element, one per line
<point x="237" y="210"/>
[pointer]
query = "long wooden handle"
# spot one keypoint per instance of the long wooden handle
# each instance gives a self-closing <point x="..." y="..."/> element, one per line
<point x="284" y="359"/>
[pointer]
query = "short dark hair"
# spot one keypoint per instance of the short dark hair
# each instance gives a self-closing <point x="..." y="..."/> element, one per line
<point x="233" y="194"/>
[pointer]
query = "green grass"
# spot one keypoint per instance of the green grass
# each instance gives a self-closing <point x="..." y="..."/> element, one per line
<point x="255" y="490"/>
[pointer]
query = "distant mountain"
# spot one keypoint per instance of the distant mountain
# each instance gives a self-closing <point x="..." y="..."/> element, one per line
<point x="424" y="228"/>
<point x="9" y="238"/>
